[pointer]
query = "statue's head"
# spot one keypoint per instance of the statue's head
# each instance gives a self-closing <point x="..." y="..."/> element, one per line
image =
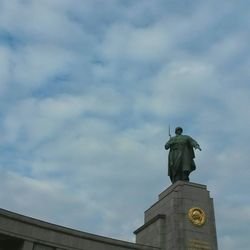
<point x="178" y="131"/>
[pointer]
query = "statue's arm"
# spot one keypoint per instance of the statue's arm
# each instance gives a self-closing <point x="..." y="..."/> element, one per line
<point x="168" y="144"/>
<point x="194" y="143"/>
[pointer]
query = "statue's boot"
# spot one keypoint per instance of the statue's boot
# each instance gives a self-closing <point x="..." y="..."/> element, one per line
<point x="185" y="175"/>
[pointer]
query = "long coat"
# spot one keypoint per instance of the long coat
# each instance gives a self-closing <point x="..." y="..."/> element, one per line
<point x="181" y="155"/>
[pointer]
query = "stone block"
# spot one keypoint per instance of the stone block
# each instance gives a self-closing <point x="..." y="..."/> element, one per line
<point x="181" y="230"/>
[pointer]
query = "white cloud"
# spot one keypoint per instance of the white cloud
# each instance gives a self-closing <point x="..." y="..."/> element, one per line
<point x="35" y="66"/>
<point x="55" y="195"/>
<point x="179" y="87"/>
<point x="136" y="44"/>
<point x="41" y="119"/>
<point x="45" y="20"/>
<point x="5" y="70"/>
<point x="132" y="68"/>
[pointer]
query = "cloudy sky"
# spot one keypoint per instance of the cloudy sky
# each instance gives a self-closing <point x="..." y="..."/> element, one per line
<point x="88" y="89"/>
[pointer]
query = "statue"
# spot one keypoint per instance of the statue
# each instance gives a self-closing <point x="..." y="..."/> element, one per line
<point x="181" y="156"/>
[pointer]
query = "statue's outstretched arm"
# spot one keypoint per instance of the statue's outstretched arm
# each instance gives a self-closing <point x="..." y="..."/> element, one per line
<point x="195" y="144"/>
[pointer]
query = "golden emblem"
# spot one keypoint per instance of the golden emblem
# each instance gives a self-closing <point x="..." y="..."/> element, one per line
<point x="197" y="216"/>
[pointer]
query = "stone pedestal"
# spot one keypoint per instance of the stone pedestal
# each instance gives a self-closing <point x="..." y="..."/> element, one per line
<point x="182" y="219"/>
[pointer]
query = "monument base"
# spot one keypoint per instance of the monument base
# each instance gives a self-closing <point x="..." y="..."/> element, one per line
<point x="182" y="219"/>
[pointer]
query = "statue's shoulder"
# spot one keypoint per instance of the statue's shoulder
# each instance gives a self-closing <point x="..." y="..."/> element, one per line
<point x="187" y="136"/>
<point x="182" y="138"/>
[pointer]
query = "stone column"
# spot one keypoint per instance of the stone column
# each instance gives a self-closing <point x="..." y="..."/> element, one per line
<point x="182" y="219"/>
<point x="27" y="245"/>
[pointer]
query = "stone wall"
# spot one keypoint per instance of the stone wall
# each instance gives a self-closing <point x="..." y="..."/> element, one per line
<point x="39" y="235"/>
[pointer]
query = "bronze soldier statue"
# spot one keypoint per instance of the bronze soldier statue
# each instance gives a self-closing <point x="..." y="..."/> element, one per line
<point x="181" y="156"/>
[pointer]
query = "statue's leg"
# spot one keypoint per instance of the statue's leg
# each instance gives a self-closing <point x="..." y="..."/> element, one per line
<point x="185" y="175"/>
<point x="177" y="176"/>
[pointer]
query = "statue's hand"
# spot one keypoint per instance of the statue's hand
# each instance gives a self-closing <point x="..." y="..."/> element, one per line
<point x="198" y="147"/>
